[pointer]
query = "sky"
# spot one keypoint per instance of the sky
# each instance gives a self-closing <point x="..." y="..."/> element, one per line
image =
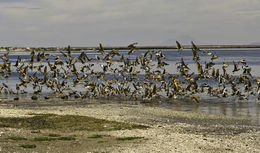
<point x="45" y="23"/>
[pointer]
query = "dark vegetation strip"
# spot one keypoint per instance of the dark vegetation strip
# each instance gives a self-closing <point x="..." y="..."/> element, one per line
<point x="128" y="138"/>
<point x="75" y="48"/>
<point x="28" y="146"/>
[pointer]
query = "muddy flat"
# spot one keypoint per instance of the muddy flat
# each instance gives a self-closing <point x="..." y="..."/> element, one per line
<point x="121" y="127"/>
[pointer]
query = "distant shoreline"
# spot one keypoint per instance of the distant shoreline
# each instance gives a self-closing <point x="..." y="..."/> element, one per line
<point x="75" y="48"/>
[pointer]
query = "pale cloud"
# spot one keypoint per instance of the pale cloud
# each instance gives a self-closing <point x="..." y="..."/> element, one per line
<point x="117" y="22"/>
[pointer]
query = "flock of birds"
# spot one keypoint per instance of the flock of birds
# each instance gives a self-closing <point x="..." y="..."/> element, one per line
<point x="144" y="78"/>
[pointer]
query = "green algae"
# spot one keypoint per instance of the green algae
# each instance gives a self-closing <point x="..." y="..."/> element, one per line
<point x="128" y="138"/>
<point x="28" y="146"/>
<point x="17" y="138"/>
<point x="54" y="135"/>
<point x="95" y="136"/>
<point x="66" y="123"/>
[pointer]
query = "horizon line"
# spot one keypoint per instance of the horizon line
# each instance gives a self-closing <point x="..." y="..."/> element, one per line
<point x="141" y="47"/>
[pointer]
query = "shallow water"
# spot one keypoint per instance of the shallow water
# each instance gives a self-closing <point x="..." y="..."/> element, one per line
<point x="221" y="106"/>
<point x="248" y="110"/>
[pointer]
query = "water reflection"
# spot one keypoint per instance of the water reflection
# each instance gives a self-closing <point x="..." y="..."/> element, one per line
<point x="250" y="110"/>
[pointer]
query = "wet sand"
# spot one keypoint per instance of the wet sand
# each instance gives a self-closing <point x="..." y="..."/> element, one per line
<point x="170" y="131"/>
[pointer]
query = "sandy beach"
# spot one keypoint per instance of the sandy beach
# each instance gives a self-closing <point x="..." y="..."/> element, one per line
<point x="169" y="131"/>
